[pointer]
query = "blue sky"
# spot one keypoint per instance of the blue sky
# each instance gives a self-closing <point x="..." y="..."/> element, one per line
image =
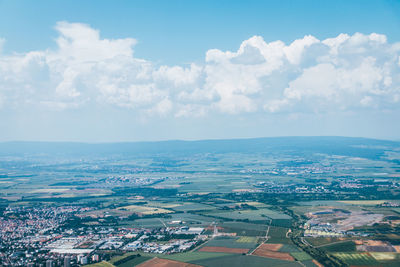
<point x="177" y="32"/>
<point x="198" y="69"/>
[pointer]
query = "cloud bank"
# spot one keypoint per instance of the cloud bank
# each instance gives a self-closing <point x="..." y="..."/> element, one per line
<point x="346" y="72"/>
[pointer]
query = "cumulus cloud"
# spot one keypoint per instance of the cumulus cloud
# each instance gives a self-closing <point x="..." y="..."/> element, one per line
<point x="307" y="75"/>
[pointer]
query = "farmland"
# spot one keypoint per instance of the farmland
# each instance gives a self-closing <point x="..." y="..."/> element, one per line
<point x="244" y="229"/>
<point x="196" y="256"/>
<point x="279" y="205"/>
<point x="241" y="260"/>
<point x="259" y="215"/>
<point x="356" y="258"/>
<point x="155" y="262"/>
<point x="230" y="242"/>
<point x="301" y="256"/>
<point x="145" y="210"/>
<point x="224" y="250"/>
<point x="192" y="207"/>
<point x="247" y="239"/>
<point x="278" y="235"/>
<point x="265" y="251"/>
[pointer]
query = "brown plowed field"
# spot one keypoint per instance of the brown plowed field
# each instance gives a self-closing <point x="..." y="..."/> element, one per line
<point x="265" y="251"/>
<point x="157" y="262"/>
<point x="224" y="249"/>
<point x="272" y="247"/>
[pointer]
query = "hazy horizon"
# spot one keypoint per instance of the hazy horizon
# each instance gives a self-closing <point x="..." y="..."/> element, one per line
<point x="201" y="140"/>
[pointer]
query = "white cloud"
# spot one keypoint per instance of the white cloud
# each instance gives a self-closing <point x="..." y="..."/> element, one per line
<point x="178" y="76"/>
<point x="2" y="41"/>
<point x="80" y="43"/>
<point x="307" y="75"/>
<point x="296" y="49"/>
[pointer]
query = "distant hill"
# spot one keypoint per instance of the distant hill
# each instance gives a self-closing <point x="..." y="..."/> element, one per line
<point x="362" y="147"/>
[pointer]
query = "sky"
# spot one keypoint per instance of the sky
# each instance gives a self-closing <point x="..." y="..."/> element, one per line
<point x="111" y="71"/>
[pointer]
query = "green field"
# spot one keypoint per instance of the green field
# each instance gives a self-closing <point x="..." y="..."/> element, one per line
<point x="194" y="256"/>
<point x="245" y="260"/>
<point x="134" y="262"/>
<point x="346" y="246"/>
<point x="354" y="258"/>
<point x="244" y="225"/>
<point x="258" y="205"/>
<point x="244" y="229"/>
<point x="145" y="209"/>
<point x="363" y="202"/>
<point x="289" y="248"/>
<point x="101" y="264"/>
<point x="309" y="263"/>
<point x="247" y="239"/>
<point x="192" y="207"/>
<point x="278" y="235"/>
<point x="175" y="219"/>
<point x="229" y="242"/>
<point x="386" y="256"/>
<point x="301" y="256"/>
<point x="321" y="241"/>
<point x="250" y="215"/>
<point x="190" y="218"/>
<point x="322" y="203"/>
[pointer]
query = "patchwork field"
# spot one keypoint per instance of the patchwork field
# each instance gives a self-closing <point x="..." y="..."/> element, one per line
<point x="244" y="195"/>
